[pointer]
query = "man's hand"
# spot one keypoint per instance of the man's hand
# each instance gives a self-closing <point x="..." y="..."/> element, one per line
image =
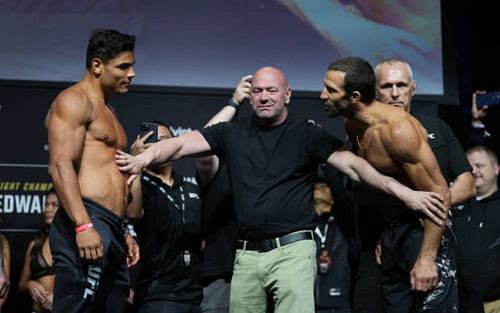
<point x="424" y="276"/>
<point x="428" y="203"/>
<point x="129" y="164"/>
<point x="478" y="114"/>
<point x="140" y="144"/>
<point x="242" y="91"/>
<point x="90" y="245"/>
<point x="133" y="254"/>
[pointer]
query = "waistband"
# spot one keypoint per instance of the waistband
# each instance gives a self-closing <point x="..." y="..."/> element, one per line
<point x="270" y="244"/>
<point x="96" y="209"/>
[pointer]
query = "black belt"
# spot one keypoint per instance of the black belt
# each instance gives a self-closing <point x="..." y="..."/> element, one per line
<point x="270" y="244"/>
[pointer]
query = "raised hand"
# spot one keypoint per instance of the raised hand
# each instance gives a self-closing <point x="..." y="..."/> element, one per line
<point x="242" y="91"/>
<point x="140" y="144"/>
<point x="478" y="114"/>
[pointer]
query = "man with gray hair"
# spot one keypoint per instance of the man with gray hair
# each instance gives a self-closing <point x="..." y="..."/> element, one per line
<point x="395" y="86"/>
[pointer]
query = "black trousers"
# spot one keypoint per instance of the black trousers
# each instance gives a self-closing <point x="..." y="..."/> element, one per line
<point x="368" y="296"/>
<point x="401" y="242"/>
<point x="89" y="287"/>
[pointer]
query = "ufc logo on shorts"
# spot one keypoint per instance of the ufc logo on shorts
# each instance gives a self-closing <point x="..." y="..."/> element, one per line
<point x="93" y="278"/>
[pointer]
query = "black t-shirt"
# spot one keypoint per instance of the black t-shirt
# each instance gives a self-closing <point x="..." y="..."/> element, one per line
<point x="219" y="228"/>
<point x="272" y="172"/>
<point x="169" y="227"/>
<point x="477" y="226"/>
<point x="446" y="147"/>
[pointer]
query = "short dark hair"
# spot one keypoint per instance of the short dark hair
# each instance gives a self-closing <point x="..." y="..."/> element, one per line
<point x="107" y="44"/>
<point x="359" y="76"/>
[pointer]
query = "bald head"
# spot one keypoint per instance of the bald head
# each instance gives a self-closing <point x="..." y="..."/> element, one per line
<point x="271" y="73"/>
<point x="270" y="96"/>
<point x="395" y="84"/>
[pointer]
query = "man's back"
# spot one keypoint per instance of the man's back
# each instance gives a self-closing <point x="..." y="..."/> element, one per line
<point x="391" y="141"/>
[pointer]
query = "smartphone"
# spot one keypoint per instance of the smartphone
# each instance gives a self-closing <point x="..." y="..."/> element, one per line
<point x="146" y="128"/>
<point x="488" y="98"/>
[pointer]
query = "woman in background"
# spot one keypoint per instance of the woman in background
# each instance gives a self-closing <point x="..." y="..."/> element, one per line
<point x="37" y="276"/>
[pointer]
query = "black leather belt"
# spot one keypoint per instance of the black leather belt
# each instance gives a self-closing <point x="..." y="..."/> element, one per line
<point x="270" y="244"/>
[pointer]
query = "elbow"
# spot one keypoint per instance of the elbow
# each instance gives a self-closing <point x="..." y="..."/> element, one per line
<point x="473" y="191"/>
<point x="471" y="184"/>
<point x="54" y="170"/>
<point x="472" y="187"/>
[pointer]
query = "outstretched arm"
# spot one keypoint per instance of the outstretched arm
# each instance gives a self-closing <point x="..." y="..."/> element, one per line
<point x="207" y="167"/>
<point x="360" y="170"/>
<point x="190" y="144"/>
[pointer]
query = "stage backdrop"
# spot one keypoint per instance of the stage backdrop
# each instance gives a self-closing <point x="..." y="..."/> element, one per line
<point x="207" y="43"/>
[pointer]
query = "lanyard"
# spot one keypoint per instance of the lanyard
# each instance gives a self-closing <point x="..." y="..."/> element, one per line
<point x="182" y="208"/>
<point x="322" y="235"/>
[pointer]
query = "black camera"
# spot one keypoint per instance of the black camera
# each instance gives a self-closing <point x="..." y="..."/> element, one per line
<point x="148" y="127"/>
<point x="488" y="98"/>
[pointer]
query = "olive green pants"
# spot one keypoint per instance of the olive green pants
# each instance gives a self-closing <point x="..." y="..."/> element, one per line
<point x="279" y="281"/>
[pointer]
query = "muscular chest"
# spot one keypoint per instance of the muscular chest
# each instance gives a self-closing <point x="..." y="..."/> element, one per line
<point x="106" y="128"/>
